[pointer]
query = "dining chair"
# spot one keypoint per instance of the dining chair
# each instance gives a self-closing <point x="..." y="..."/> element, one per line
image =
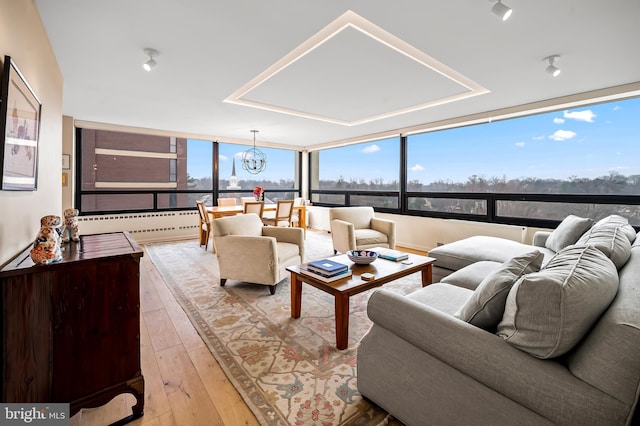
<point x="295" y="215"/>
<point x="205" y="224"/>
<point x="284" y="208"/>
<point x="226" y="201"/>
<point x="256" y="207"/>
<point x="247" y="200"/>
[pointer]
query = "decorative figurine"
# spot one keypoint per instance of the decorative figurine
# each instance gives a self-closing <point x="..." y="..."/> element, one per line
<point x="46" y="247"/>
<point x="70" y="231"/>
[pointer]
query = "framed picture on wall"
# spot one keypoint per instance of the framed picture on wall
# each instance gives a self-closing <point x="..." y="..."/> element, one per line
<point x="19" y="130"/>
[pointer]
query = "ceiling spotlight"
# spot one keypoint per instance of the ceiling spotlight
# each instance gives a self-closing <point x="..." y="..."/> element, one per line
<point x="501" y="11"/>
<point x="148" y="66"/>
<point x="552" y="69"/>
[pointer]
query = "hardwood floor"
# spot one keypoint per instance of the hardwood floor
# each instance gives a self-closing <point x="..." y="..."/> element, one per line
<point x="184" y="385"/>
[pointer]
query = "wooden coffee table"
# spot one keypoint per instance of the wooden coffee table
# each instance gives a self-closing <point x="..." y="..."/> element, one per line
<point x="384" y="270"/>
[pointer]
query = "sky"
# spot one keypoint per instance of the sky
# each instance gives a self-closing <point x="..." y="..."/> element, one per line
<point x="280" y="162"/>
<point x="589" y="141"/>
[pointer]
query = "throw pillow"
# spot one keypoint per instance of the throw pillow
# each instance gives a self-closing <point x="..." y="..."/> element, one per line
<point x="568" y="232"/>
<point x="485" y="307"/>
<point x="549" y="311"/>
<point x="612" y="236"/>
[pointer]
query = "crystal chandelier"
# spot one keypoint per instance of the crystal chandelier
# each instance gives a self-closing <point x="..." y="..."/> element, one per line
<point x="253" y="160"/>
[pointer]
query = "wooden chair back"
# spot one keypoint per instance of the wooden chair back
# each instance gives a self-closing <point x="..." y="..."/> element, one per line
<point x="256" y="207"/>
<point x="284" y="209"/>
<point x="226" y="201"/>
<point x="247" y="199"/>
<point x="205" y="224"/>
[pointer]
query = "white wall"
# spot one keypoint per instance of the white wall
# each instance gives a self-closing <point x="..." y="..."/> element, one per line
<point x="22" y="36"/>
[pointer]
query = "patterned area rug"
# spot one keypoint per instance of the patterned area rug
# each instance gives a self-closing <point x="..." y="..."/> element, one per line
<point x="288" y="371"/>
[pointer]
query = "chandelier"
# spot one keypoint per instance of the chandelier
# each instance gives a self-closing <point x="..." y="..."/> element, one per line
<point x="253" y="160"/>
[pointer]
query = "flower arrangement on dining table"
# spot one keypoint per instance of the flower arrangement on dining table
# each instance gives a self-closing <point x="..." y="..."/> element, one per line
<point x="258" y="192"/>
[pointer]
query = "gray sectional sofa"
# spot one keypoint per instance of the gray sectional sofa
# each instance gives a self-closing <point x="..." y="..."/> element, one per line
<point x="544" y="334"/>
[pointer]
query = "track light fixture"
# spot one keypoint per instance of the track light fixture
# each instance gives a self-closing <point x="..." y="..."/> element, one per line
<point x="552" y="69"/>
<point x="502" y="11"/>
<point x="151" y="63"/>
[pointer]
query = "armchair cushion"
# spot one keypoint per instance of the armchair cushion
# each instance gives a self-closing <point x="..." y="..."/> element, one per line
<point x="286" y="251"/>
<point x="242" y="224"/>
<point x="568" y="232"/>
<point x="548" y="312"/>
<point x="370" y="237"/>
<point x="486" y="306"/>
<point x="360" y="217"/>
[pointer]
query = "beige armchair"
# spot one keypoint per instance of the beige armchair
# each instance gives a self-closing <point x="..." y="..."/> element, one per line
<point x="356" y="228"/>
<point x="248" y="251"/>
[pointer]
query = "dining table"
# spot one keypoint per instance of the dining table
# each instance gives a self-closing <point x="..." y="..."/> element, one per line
<point x="221" y="211"/>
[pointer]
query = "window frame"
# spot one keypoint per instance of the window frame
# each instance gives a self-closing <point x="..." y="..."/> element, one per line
<point x="215" y="192"/>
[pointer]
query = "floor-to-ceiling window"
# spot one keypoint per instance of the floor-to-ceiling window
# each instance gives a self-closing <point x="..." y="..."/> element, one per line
<point x="541" y="167"/>
<point x="362" y="174"/>
<point x="280" y="177"/>
<point x="529" y="170"/>
<point x="131" y="172"/>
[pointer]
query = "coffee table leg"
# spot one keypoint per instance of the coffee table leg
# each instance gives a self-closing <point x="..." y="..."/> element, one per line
<point x="296" y="296"/>
<point x="342" y="321"/>
<point x="427" y="275"/>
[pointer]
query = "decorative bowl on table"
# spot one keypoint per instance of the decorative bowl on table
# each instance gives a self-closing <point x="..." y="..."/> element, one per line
<point x="362" y="257"/>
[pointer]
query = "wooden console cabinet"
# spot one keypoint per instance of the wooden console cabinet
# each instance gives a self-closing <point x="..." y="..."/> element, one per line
<point x="71" y="330"/>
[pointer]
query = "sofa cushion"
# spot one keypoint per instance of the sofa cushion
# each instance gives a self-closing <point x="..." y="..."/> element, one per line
<point x="613" y="236"/>
<point x="568" y="232"/>
<point x="548" y="312"/>
<point x="461" y="253"/>
<point x="443" y="297"/>
<point x="485" y="307"/>
<point x="471" y="276"/>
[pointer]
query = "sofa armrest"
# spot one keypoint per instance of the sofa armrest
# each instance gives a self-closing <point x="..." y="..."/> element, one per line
<point x="387" y="227"/>
<point x="286" y="235"/>
<point x="544" y="386"/>
<point x="540" y="238"/>
<point x="249" y="258"/>
<point x="343" y="235"/>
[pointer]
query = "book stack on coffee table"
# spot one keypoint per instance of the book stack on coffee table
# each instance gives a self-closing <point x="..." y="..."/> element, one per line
<point x="326" y="270"/>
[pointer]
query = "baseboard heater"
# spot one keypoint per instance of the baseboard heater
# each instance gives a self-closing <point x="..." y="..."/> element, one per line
<point x="144" y="227"/>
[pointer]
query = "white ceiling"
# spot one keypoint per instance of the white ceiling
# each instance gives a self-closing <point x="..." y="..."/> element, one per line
<point x="307" y="73"/>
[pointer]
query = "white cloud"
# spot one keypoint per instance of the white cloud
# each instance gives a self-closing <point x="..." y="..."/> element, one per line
<point x="223" y="157"/>
<point x="617" y="107"/>
<point x="520" y="144"/>
<point x="584" y="115"/>
<point x="417" y="168"/>
<point x="238" y="155"/>
<point x="371" y="148"/>
<point x="538" y="138"/>
<point x="558" y="120"/>
<point x="561" y="135"/>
